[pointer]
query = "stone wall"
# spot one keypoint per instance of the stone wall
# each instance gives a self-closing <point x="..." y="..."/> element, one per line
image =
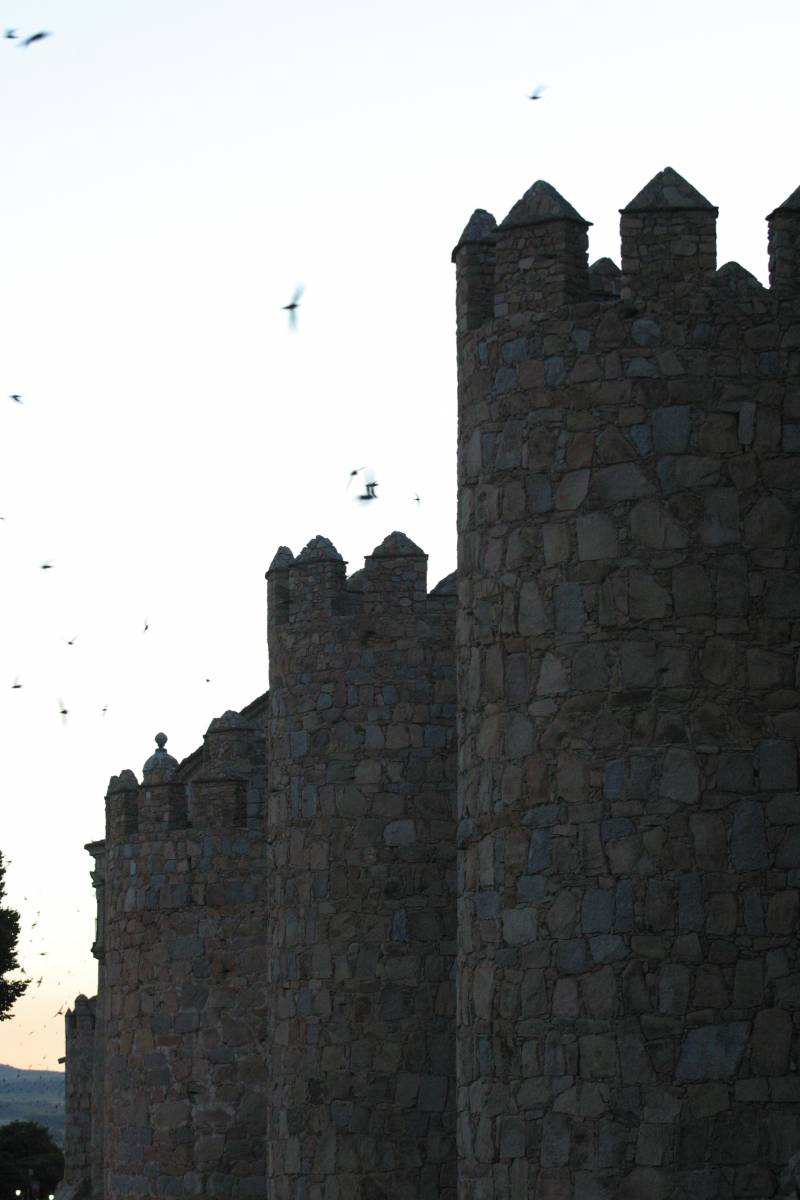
<point x="184" y="971"/>
<point x="629" y="586"/>
<point x="362" y="906"/>
<point x="78" y="1082"/>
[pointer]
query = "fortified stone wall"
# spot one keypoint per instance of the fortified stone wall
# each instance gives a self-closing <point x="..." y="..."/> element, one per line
<point x="629" y="585"/>
<point x="184" y="992"/>
<point x="96" y="1145"/>
<point x="362" y="861"/>
<point x="79" y="1038"/>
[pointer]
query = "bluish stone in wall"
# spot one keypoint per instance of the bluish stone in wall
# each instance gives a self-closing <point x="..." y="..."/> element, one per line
<point x="608" y="948"/>
<point x="505" y="379"/>
<point x="614" y="779"/>
<point x="712" y="1052"/>
<point x="554" y="371"/>
<point x="748" y="837"/>
<point x="642" y="438"/>
<point x="671" y="429"/>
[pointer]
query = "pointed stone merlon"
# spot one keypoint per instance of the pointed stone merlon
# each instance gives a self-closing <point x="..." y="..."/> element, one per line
<point x="219" y="790"/>
<point x="784" y="246"/>
<point x="277" y="577"/>
<point x="605" y="279"/>
<point x="474" y="259"/>
<point x="122" y="808"/>
<point x="395" y="574"/>
<point x="541" y="255"/>
<point x="669" y="237"/>
<point x="306" y="590"/>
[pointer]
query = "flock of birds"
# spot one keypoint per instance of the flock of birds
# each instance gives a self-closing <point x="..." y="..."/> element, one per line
<point x="368" y="481"/>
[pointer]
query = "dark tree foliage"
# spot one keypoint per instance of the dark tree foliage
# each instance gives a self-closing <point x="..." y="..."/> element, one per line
<point x="28" y="1153"/>
<point x="9" y="932"/>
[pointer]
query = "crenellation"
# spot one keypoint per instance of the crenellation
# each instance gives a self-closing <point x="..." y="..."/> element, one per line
<point x="669" y="238"/>
<point x="540" y="257"/>
<point x="495" y="893"/>
<point x="474" y="256"/>
<point x="623" y="540"/>
<point x="784" y="246"/>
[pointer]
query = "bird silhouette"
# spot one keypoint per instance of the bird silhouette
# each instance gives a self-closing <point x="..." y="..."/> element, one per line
<point x="14" y="396"/>
<point x="46" y="566"/>
<point x="71" y="641"/>
<point x="16" y="684"/>
<point x="292" y="307"/>
<point x="357" y="471"/>
<point x="35" y="37"/>
<point x="146" y="625"/>
<point x="417" y="499"/>
<point x="104" y="709"/>
<point x="63" y="710"/>
<point x="536" y="94"/>
<point x="369" y="491"/>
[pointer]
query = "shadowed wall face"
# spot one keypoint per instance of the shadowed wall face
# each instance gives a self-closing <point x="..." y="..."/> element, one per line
<point x="183" y="991"/>
<point x="362" y="855"/>
<point x="627" y="650"/>
<point x="79" y="1031"/>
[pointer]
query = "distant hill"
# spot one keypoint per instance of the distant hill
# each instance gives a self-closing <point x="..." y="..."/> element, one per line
<point x="33" y="1096"/>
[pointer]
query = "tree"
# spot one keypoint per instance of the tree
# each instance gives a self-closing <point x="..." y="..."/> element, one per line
<point x="10" y="990"/>
<point x="27" y="1153"/>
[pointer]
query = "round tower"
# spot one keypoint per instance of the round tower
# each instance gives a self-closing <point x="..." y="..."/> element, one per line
<point x="629" y="590"/>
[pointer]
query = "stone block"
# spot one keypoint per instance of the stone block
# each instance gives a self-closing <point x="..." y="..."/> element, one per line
<point x="777" y="766"/>
<point x="597" y="537"/>
<point x="748" y="842"/>
<point x="771" y="1042"/>
<point x="680" y="776"/>
<point x="712" y="1052"/>
<point x="597" y="1056"/>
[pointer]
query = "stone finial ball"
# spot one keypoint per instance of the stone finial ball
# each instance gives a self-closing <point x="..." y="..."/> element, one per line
<point x="161" y="740"/>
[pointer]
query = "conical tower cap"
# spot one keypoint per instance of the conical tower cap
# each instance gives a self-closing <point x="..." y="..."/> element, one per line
<point x="790" y="205"/>
<point x="541" y="203"/>
<point x="665" y="190"/>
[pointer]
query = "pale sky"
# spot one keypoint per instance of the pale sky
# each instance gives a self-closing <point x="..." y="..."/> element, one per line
<point x="170" y="171"/>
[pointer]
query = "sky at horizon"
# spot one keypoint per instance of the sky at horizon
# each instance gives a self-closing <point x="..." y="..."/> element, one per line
<point x="170" y="173"/>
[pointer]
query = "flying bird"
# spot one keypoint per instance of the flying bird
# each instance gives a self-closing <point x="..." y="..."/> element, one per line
<point x="369" y="491"/>
<point x="15" y="397"/>
<point x="536" y="94"/>
<point x="63" y="710"/>
<point x="104" y="709"/>
<point x="293" y="306"/>
<point x="35" y="37"/>
<point x="71" y="641"/>
<point x="357" y="471"/>
<point x="146" y="625"/>
<point x="16" y="684"/>
<point x="46" y="566"/>
<point x="417" y="499"/>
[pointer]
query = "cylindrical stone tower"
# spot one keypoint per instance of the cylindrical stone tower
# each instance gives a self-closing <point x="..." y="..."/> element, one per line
<point x="629" y="597"/>
<point x="362" y="861"/>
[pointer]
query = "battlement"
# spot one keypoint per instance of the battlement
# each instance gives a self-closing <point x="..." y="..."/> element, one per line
<point x="535" y="260"/>
<point x="312" y="590"/>
<point x="220" y="784"/>
<point x="81" y="1017"/>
